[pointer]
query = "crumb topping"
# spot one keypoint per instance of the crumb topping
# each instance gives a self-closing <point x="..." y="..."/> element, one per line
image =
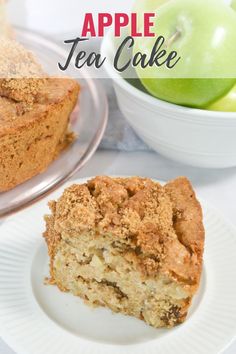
<point x="16" y="115"/>
<point x="162" y="226"/>
<point x="21" y="77"/>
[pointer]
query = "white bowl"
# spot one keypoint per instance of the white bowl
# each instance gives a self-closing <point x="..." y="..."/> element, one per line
<point x="195" y="137"/>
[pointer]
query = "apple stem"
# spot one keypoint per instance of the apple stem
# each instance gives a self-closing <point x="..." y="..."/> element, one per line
<point x="173" y="38"/>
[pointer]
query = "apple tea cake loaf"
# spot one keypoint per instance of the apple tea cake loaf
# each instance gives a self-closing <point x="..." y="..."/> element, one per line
<point x="128" y="244"/>
<point x="34" y="115"/>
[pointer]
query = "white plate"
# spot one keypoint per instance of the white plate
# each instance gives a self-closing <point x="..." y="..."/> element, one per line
<point x="39" y="319"/>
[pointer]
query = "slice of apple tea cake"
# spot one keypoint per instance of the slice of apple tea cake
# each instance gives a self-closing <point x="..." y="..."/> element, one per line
<point x="128" y="244"/>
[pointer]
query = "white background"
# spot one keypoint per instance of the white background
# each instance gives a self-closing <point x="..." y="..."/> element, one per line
<point x="56" y="17"/>
<point x="60" y="16"/>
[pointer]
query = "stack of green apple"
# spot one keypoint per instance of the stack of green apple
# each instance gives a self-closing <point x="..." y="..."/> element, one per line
<point x="197" y="22"/>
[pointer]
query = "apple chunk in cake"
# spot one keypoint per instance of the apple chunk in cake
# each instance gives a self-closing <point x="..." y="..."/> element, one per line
<point x="128" y="244"/>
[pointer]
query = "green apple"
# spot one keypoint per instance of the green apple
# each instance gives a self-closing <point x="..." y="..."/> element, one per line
<point x="233" y="4"/>
<point x="226" y="103"/>
<point x="204" y="36"/>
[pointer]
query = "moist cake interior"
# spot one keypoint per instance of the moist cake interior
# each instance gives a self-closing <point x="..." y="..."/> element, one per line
<point x="98" y="271"/>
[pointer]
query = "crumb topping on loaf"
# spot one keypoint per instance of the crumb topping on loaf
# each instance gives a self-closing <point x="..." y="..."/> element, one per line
<point x="21" y="76"/>
<point x="161" y="226"/>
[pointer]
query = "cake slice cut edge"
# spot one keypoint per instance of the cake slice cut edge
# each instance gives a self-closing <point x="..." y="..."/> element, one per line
<point x="128" y="244"/>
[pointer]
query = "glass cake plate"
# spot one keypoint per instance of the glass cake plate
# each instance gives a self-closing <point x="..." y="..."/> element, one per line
<point x="88" y="122"/>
